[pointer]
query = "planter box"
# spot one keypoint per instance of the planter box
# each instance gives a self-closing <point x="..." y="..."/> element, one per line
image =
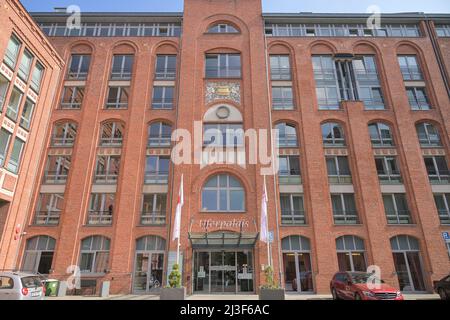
<point x="173" y="294"/>
<point x="271" y="294"/>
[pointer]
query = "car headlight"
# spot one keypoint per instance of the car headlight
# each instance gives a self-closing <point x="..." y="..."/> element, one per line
<point x="368" y="293"/>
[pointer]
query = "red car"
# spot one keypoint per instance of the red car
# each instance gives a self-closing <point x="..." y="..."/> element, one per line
<point x="355" y="286"/>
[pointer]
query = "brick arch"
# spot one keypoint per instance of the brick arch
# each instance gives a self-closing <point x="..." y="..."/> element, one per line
<point x="281" y="47"/>
<point x="224" y="21"/>
<point x="160" y="120"/>
<point x="322" y="47"/>
<point x="124" y="47"/>
<point x="366" y="47"/>
<point x="82" y="47"/>
<point x="220" y="17"/>
<point x="224" y="49"/>
<point x="65" y="120"/>
<point x="166" y="47"/>
<point x="341" y="123"/>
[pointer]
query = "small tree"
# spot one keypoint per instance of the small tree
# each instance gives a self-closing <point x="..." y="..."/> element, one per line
<point x="175" y="277"/>
<point x="270" y="281"/>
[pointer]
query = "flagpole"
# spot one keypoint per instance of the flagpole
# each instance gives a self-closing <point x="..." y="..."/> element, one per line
<point x="269" y="260"/>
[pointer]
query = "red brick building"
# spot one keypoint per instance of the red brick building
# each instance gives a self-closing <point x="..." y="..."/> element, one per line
<point x="363" y="117"/>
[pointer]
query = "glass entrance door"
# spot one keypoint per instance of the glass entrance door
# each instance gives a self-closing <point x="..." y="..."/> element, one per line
<point x="223" y="272"/>
<point x="148" y="272"/>
<point x="298" y="271"/>
<point x="409" y="271"/>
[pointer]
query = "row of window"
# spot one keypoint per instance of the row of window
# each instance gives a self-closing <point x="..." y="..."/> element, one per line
<point x="341" y="30"/>
<point x="443" y="30"/>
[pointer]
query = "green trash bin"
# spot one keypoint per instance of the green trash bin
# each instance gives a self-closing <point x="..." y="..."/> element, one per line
<point x="51" y="287"/>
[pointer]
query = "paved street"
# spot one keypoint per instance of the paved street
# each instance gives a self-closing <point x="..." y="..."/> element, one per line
<point x="232" y="297"/>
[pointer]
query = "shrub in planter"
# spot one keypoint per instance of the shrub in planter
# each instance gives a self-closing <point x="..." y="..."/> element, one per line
<point x="270" y="291"/>
<point x="175" y="291"/>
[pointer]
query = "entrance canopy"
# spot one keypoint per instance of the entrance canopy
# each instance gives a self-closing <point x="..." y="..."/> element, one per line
<point x="206" y="240"/>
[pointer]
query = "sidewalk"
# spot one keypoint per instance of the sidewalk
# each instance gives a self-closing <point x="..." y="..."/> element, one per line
<point x="233" y="297"/>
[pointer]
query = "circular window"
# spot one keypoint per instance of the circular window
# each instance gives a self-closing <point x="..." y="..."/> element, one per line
<point x="223" y="112"/>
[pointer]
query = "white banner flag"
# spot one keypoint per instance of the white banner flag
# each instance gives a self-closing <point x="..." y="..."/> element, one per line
<point x="177" y="223"/>
<point x="264" y="224"/>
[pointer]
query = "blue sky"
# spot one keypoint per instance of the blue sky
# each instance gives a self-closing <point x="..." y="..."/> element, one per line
<point x="431" y="6"/>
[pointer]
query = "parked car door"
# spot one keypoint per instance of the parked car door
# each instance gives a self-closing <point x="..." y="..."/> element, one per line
<point x="339" y="285"/>
<point x="7" y="290"/>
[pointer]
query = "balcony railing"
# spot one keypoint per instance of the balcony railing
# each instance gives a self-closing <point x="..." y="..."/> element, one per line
<point x="282" y="103"/>
<point x="336" y="142"/>
<point x="153" y="177"/>
<point x="116" y="105"/>
<point x="340" y="179"/>
<point x="289" y="177"/>
<point x="162" y="104"/>
<point x="70" y="105"/>
<point x="419" y="104"/>
<point x="47" y="218"/>
<point x="382" y="143"/>
<point x="230" y="72"/>
<point x="444" y="216"/>
<point x="99" y="218"/>
<point x="155" y="218"/>
<point x="278" y="74"/>
<point x="55" y="177"/>
<point x="111" y="142"/>
<point x="160" y="141"/>
<point x="398" y="217"/>
<point x="373" y="104"/>
<point x="325" y="74"/>
<point x="166" y="74"/>
<point x="293" y="217"/>
<point x="62" y="142"/>
<point x="390" y="178"/>
<point x="443" y="177"/>
<point x="121" y="75"/>
<point x="345" y="217"/>
<point x="429" y="142"/>
<point x="366" y="74"/>
<point x="79" y="75"/>
<point x="102" y="177"/>
<point x="412" y="74"/>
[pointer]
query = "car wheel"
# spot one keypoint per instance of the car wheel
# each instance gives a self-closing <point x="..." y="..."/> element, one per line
<point x="334" y="294"/>
<point x="442" y="294"/>
<point x="358" y="296"/>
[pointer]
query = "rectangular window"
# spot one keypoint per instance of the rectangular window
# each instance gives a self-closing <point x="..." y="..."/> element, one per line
<point x="101" y="209"/>
<point x="48" y="209"/>
<point x="122" y="67"/>
<point x="368" y="82"/>
<point x="410" y="68"/>
<point x="282" y="98"/>
<point x="443" y="207"/>
<point x="418" y="99"/>
<point x="15" y="100"/>
<point x="280" y="68"/>
<point x="57" y="169"/>
<point x="27" y="114"/>
<point x="396" y="209"/>
<point x="387" y="170"/>
<point x="223" y="65"/>
<point x="72" y="97"/>
<point x="4" y="85"/>
<point x="437" y="170"/>
<point x="344" y="209"/>
<point x="16" y="156"/>
<point x="289" y="170"/>
<point x="223" y="135"/>
<point x="163" y="97"/>
<point x="36" y="77"/>
<point x="157" y="170"/>
<point x="338" y="170"/>
<point x="5" y="138"/>
<point x="107" y="170"/>
<point x="154" y="209"/>
<point x="118" y="98"/>
<point x="25" y="65"/>
<point x="326" y="83"/>
<point x="292" y="209"/>
<point x="79" y="67"/>
<point x="12" y="52"/>
<point x="166" y="67"/>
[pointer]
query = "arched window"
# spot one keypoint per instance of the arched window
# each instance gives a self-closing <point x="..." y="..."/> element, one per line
<point x="94" y="254"/>
<point x="428" y="135"/>
<point x="223" y="193"/>
<point x="222" y="28"/>
<point x="333" y="134"/>
<point x="64" y="134"/>
<point x="297" y="263"/>
<point x="381" y="135"/>
<point x="159" y="134"/>
<point x="351" y="254"/>
<point x="149" y="266"/>
<point x="408" y="264"/>
<point x="38" y="255"/>
<point x="287" y="135"/>
<point x="111" y="134"/>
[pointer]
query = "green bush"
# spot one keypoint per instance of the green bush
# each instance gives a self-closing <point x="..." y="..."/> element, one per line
<point x="175" y="277"/>
<point x="270" y="281"/>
